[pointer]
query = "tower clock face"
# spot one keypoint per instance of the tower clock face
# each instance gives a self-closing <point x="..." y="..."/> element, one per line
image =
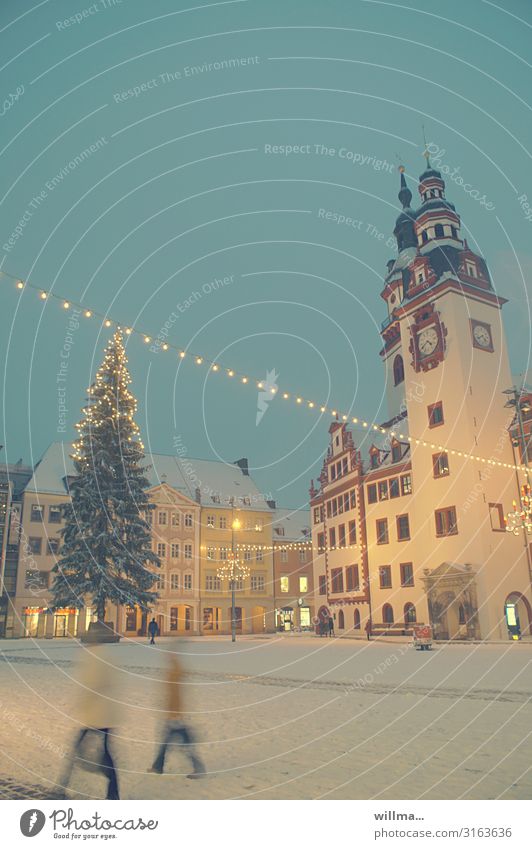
<point x="482" y="335"/>
<point x="427" y="341"/>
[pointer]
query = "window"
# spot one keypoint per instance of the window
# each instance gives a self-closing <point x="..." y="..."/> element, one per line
<point x="352" y="499"/>
<point x="35" y="579"/>
<point x="159" y="582"/>
<point x="188" y="551"/>
<point x="213" y="583"/>
<point x="210" y="521"/>
<point x="247" y="555"/>
<point x="403" y="527"/>
<point x="471" y="269"/>
<point x="440" y="465"/>
<point x="341" y="620"/>
<point x="372" y="493"/>
<point x="446" y="522"/>
<point x="337" y="580"/>
<point x="161" y="517"/>
<point x="52" y="546"/>
<point x="385" y="577"/>
<point x="303" y="584"/>
<point x="259" y="555"/>
<point x="321" y="542"/>
<point x="257" y="583"/>
<point x="54" y="515"/>
<point x="383" y="490"/>
<point x="497" y="517"/>
<point x="356" y="620"/>
<point x="398" y="370"/>
<point x="397" y="452"/>
<point x="175" y="520"/>
<point x="317" y="517"/>
<point x="461" y="615"/>
<point x="188" y="520"/>
<point x="223" y="552"/>
<point x="407" y="574"/>
<point x="406" y="484"/>
<point x="284" y="555"/>
<point x="211" y="553"/>
<point x="187" y="581"/>
<point x="409" y="613"/>
<point x="424" y="236"/>
<point x="285" y="583"/>
<point x="161" y="549"/>
<point x="341" y="536"/>
<point x="382" y="531"/>
<point x="332" y="537"/>
<point x="352" y="532"/>
<point x="435" y="412"/>
<point x="438" y="231"/>
<point x="173" y="618"/>
<point x="387" y="614"/>
<point x="223" y="523"/>
<point x="174" y="581"/>
<point x="322" y="584"/>
<point x="37" y="513"/>
<point x="352" y="579"/>
<point x="394" y="488"/>
<point x="174" y="550"/>
<point x="374" y="460"/>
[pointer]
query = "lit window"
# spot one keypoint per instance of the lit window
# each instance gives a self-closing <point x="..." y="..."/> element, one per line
<point x="446" y="524"/>
<point x="175" y="520"/>
<point x="383" y="490"/>
<point x="211" y="553"/>
<point x="285" y="583"/>
<point x="210" y="521"/>
<point x="303" y="584"/>
<point x="440" y="464"/>
<point x="406" y="484"/>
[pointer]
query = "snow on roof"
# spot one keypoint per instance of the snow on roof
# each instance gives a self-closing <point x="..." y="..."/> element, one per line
<point x="291" y="523"/>
<point x="218" y="482"/>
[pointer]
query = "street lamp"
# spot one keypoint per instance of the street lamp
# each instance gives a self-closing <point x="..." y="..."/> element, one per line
<point x="520" y="519"/>
<point x="233" y="571"/>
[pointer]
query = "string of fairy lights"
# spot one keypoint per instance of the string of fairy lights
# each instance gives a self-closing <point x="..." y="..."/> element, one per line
<point x="245" y="379"/>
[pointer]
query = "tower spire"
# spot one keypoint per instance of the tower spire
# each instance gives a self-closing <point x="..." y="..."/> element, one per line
<point x="405" y="195"/>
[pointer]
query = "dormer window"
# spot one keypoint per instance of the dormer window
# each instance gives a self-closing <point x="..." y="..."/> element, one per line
<point x="396" y="452"/>
<point x="421" y="276"/>
<point x="374" y="460"/>
<point x="471" y="269"/>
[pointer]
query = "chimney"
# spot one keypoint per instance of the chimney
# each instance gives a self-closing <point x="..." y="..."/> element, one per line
<point x="242" y="465"/>
<point x="271" y="503"/>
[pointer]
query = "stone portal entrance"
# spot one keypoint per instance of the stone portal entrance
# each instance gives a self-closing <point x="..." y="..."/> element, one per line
<point x="452" y="601"/>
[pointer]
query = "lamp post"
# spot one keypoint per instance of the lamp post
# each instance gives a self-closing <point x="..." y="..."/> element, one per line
<point x="232" y="571"/>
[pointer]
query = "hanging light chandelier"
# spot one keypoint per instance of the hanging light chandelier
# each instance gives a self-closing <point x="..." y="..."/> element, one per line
<point x="521" y="519"/>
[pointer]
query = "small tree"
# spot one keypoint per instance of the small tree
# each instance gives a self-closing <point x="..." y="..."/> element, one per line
<point x="106" y="538"/>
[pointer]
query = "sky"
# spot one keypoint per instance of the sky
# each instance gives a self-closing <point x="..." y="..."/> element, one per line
<point x="225" y="174"/>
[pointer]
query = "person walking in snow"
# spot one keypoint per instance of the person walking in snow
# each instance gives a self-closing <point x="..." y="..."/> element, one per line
<point x="331" y="626"/>
<point x="368" y="629"/>
<point x="153" y="631"/>
<point x="175" y="725"/>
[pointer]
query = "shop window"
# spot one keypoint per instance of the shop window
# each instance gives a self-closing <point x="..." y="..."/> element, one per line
<point x="409" y="613"/>
<point x="446" y="524"/>
<point x="54" y="514"/>
<point x="337" y="580"/>
<point x="341" y="621"/>
<point x="382" y="531"/>
<point x="440" y="465"/>
<point x="497" y="517"/>
<point x="398" y="370"/>
<point x="372" y="493"/>
<point x="285" y="583"/>
<point x="356" y="620"/>
<point x="407" y="574"/>
<point x="435" y="413"/>
<point x="387" y="614"/>
<point x="131" y="619"/>
<point x="37" y="513"/>
<point x="322" y="584"/>
<point x="403" y="527"/>
<point x="303" y="584"/>
<point x="385" y="577"/>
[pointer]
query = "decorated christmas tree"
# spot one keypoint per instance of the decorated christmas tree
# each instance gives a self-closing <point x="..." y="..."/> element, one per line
<point x="106" y="539"/>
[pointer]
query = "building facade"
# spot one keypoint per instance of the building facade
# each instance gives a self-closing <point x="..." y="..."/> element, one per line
<point x="13" y="479"/>
<point x="431" y="491"/>
<point x="292" y="570"/>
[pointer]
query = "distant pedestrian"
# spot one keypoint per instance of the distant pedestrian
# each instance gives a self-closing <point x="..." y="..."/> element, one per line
<point x="331" y="626"/>
<point x="368" y="629"/>
<point x="175" y="725"/>
<point x="323" y="628"/>
<point x="153" y="631"/>
<point x="97" y="713"/>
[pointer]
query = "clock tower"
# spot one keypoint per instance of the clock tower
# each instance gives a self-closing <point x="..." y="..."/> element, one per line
<point x="446" y="364"/>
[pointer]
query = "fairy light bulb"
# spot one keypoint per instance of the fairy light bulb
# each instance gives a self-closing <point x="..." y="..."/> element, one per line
<point x="66" y="305"/>
<point x="43" y="296"/>
<point x="20" y="284"/>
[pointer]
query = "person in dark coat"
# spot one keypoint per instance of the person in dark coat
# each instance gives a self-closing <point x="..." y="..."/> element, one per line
<point x="331" y="626"/>
<point x="368" y="629"/>
<point x="153" y="631"/>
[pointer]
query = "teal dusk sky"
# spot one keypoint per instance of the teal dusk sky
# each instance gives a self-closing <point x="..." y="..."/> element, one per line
<point x="188" y="210"/>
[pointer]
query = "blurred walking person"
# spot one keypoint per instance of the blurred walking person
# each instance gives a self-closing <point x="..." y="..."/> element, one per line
<point x="153" y="631"/>
<point x="331" y="626"/>
<point x="175" y="726"/>
<point x="97" y="713"/>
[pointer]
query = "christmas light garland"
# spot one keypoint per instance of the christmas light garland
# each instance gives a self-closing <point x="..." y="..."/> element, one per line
<point x="246" y="379"/>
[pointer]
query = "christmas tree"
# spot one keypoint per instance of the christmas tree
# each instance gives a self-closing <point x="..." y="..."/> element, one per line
<point x="106" y="539"/>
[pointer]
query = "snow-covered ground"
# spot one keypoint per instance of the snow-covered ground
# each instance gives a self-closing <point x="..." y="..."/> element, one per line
<point x="287" y="717"/>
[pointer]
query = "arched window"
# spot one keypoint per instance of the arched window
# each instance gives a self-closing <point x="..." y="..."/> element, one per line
<point x="438" y="231"/>
<point x="410" y="613"/>
<point x="356" y="620"/>
<point x="461" y="614"/>
<point x="398" y="370"/>
<point x="387" y="614"/>
<point x="341" y="624"/>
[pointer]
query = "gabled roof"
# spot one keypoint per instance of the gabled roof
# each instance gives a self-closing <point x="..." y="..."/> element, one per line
<point x="218" y="483"/>
<point x="293" y="522"/>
